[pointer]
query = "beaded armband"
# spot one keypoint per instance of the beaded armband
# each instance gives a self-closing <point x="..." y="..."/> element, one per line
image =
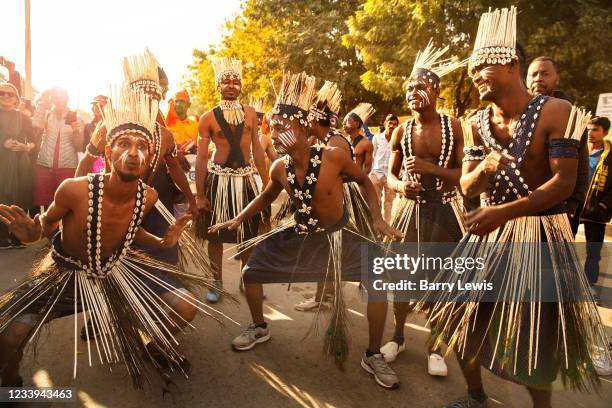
<point x="563" y="148"/>
<point x="473" y="153"/>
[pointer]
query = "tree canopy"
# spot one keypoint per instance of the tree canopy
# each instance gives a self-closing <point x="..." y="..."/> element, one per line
<point x="368" y="46"/>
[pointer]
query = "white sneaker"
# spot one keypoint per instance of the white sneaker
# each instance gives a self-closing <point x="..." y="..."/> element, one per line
<point x="602" y="364"/>
<point x="310" y="305"/>
<point x="249" y="338"/>
<point x="436" y="365"/>
<point x="391" y="350"/>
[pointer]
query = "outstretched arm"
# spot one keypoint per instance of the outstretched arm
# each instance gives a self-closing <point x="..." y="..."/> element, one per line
<point x="260" y="203"/>
<point x="29" y="230"/>
<point x="143" y="237"/>
<point x="351" y="171"/>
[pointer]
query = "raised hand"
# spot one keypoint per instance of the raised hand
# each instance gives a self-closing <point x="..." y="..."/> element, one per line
<point x="20" y="224"/>
<point x="175" y="230"/>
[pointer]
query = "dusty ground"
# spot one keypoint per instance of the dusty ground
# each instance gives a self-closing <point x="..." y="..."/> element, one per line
<point x="287" y="371"/>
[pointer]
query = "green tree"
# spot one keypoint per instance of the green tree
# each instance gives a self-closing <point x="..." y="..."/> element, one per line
<point x="270" y="36"/>
<point x="388" y="35"/>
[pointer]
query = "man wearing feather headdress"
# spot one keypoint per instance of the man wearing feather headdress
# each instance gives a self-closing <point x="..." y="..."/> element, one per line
<point x="92" y="265"/>
<point x="521" y="153"/>
<point x="427" y="150"/>
<point x="225" y="184"/>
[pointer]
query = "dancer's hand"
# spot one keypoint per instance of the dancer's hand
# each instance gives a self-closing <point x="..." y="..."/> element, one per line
<point x="175" y="230"/>
<point x="98" y="136"/>
<point x="483" y="221"/>
<point x="20" y="224"/>
<point x="409" y="189"/>
<point x="231" y="225"/>
<point x="495" y="161"/>
<point x="420" y="166"/>
<point x="381" y="228"/>
<point x="202" y="203"/>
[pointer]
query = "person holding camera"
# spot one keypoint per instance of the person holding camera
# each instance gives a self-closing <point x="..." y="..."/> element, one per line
<point x="62" y="138"/>
<point x="16" y="178"/>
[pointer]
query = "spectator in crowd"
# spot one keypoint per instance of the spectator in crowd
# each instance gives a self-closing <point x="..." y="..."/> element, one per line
<point x="183" y="128"/>
<point x="16" y="178"/>
<point x="62" y="138"/>
<point x="14" y="77"/>
<point x="597" y="209"/>
<point x="543" y="79"/>
<point x="380" y="164"/>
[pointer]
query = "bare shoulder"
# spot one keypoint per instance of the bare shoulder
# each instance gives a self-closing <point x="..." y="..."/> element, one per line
<point x="152" y="197"/>
<point x="74" y="187"/>
<point x="207" y="117"/>
<point x="277" y="170"/>
<point x="336" y="154"/>
<point x="555" y="106"/>
<point x="397" y="134"/>
<point x="366" y="144"/>
<point x="554" y="117"/>
<point x="249" y="110"/>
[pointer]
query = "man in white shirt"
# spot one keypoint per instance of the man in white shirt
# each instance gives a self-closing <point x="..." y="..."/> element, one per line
<point x="380" y="164"/>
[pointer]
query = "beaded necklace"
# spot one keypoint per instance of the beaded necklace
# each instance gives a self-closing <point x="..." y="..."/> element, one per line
<point x="156" y="146"/>
<point x="446" y="149"/>
<point x="509" y="180"/>
<point x="306" y="222"/>
<point x="95" y="266"/>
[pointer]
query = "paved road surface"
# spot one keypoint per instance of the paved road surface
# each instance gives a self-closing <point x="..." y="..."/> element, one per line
<point x="288" y="371"/>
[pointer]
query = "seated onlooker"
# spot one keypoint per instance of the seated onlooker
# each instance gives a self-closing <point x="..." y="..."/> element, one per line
<point x="16" y="171"/>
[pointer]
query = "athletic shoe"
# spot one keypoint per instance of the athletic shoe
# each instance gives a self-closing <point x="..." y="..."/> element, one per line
<point x="311" y="305"/>
<point x="212" y="296"/>
<point x="391" y="350"/>
<point x="436" y="365"/>
<point x="249" y="338"/>
<point x="467" y="402"/>
<point x="602" y="364"/>
<point x="379" y="368"/>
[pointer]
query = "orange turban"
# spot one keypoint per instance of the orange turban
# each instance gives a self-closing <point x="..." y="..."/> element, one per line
<point x="182" y="95"/>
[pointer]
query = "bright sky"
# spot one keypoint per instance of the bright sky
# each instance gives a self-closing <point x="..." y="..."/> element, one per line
<point x="78" y="44"/>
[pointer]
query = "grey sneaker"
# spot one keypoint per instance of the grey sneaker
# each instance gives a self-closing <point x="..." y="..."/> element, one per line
<point x="379" y="368"/>
<point x="467" y="402"/>
<point x="251" y="337"/>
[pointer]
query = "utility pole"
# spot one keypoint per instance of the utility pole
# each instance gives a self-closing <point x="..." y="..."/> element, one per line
<point x="28" y="52"/>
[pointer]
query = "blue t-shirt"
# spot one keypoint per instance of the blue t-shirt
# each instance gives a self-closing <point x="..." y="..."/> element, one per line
<point x="593" y="160"/>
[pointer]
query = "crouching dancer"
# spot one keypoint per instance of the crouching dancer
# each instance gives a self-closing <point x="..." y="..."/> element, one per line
<point x="91" y="266"/>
